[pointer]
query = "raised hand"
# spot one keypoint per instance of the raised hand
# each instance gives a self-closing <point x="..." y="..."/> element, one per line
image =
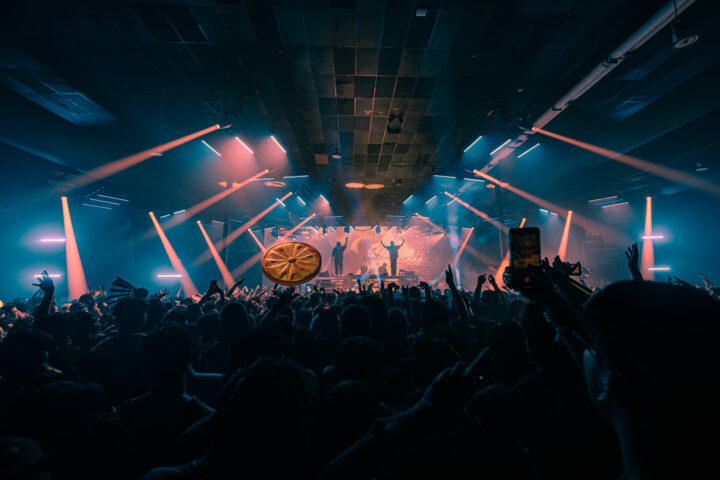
<point x="481" y="280"/>
<point x="449" y="278"/>
<point x="633" y="261"/>
<point x="405" y="292"/>
<point x="287" y="296"/>
<point x="45" y="283"/>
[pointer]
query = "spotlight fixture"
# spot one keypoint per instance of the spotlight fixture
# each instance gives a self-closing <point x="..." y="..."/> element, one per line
<point x="377" y="229"/>
<point x="680" y="37"/>
<point x="355" y="185"/>
<point x="347" y="230"/>
<point x="374" y="186"/>
<point x="336" y="155"/>
<point x="394" y="124"/>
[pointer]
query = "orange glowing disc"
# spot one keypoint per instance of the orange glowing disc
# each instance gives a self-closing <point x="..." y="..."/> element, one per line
<point x="291" y="263"/>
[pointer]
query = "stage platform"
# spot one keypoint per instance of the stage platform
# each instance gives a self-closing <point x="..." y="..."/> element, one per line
<point x="346" y="282"/>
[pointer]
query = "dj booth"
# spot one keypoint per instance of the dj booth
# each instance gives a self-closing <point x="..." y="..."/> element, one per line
<point x="346" y="282"/>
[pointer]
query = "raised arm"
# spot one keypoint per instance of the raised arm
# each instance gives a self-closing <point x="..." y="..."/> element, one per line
<point x="45" y="284"/>
<point x="478" y="289"/>
<point x="381" y="243"/>
<point x="457" y="300"/>
<point x="346" y="240"/>
<point x="633" y="262"/>
<point x="235" y="286"/>
<point x="403" y="243"/>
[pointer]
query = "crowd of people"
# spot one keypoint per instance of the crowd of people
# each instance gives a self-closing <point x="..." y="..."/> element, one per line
<point x="384" y="381"/>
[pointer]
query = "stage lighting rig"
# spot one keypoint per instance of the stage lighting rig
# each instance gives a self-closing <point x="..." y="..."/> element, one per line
<point x="680" y="37"/>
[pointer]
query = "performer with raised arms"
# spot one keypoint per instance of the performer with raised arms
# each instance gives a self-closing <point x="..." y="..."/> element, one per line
<point x="393" y="251"/>
<point x="337" y="256"/>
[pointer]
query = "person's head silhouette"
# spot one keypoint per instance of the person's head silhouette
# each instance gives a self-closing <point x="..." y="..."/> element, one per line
<point x="337" y="244"/>
<point x="392" y="244"/>
<point x="651" y="360"/>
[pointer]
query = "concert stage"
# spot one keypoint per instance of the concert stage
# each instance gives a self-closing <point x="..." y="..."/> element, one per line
<point x="345" y="282"/>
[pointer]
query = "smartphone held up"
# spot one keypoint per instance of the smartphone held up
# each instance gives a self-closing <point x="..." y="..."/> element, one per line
<point x="524" y="257"/>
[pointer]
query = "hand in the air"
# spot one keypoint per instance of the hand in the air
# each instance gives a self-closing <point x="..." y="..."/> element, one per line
<point x="633" y="261"/>
<point x="45" y="283"/>
<point x="449" y="278"/>
<point x="632" y="254"/>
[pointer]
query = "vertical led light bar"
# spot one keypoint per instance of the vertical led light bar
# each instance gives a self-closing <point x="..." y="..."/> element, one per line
<point x="648" y="255"/>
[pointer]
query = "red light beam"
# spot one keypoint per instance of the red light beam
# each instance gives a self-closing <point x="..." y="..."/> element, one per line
<point x="586" y="223"/>
<point x="259" y="243"/>
<point x="480" y="214"/>
<point x="462" y="248"/>
<point x="185" y="280"/>
<point x="227" y="278"/>
<point x="427" y="220"/>
<point x="640" y="164"/>
<point x="505" y="263"/>
<point x="77" y="285"/>
<point x="117" y="166"/>
<point x="299" y="225"/>
<point x="247" y="264"/>
<point x="562" y="250"/>
<point x="232" y="236"/>
<point x="199" y="207"/>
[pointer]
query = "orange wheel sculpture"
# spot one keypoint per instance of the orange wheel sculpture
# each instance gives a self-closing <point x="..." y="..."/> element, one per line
<point x="291" y="263"/>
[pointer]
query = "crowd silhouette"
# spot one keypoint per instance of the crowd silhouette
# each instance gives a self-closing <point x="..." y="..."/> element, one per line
<point x="384" y="381"/>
